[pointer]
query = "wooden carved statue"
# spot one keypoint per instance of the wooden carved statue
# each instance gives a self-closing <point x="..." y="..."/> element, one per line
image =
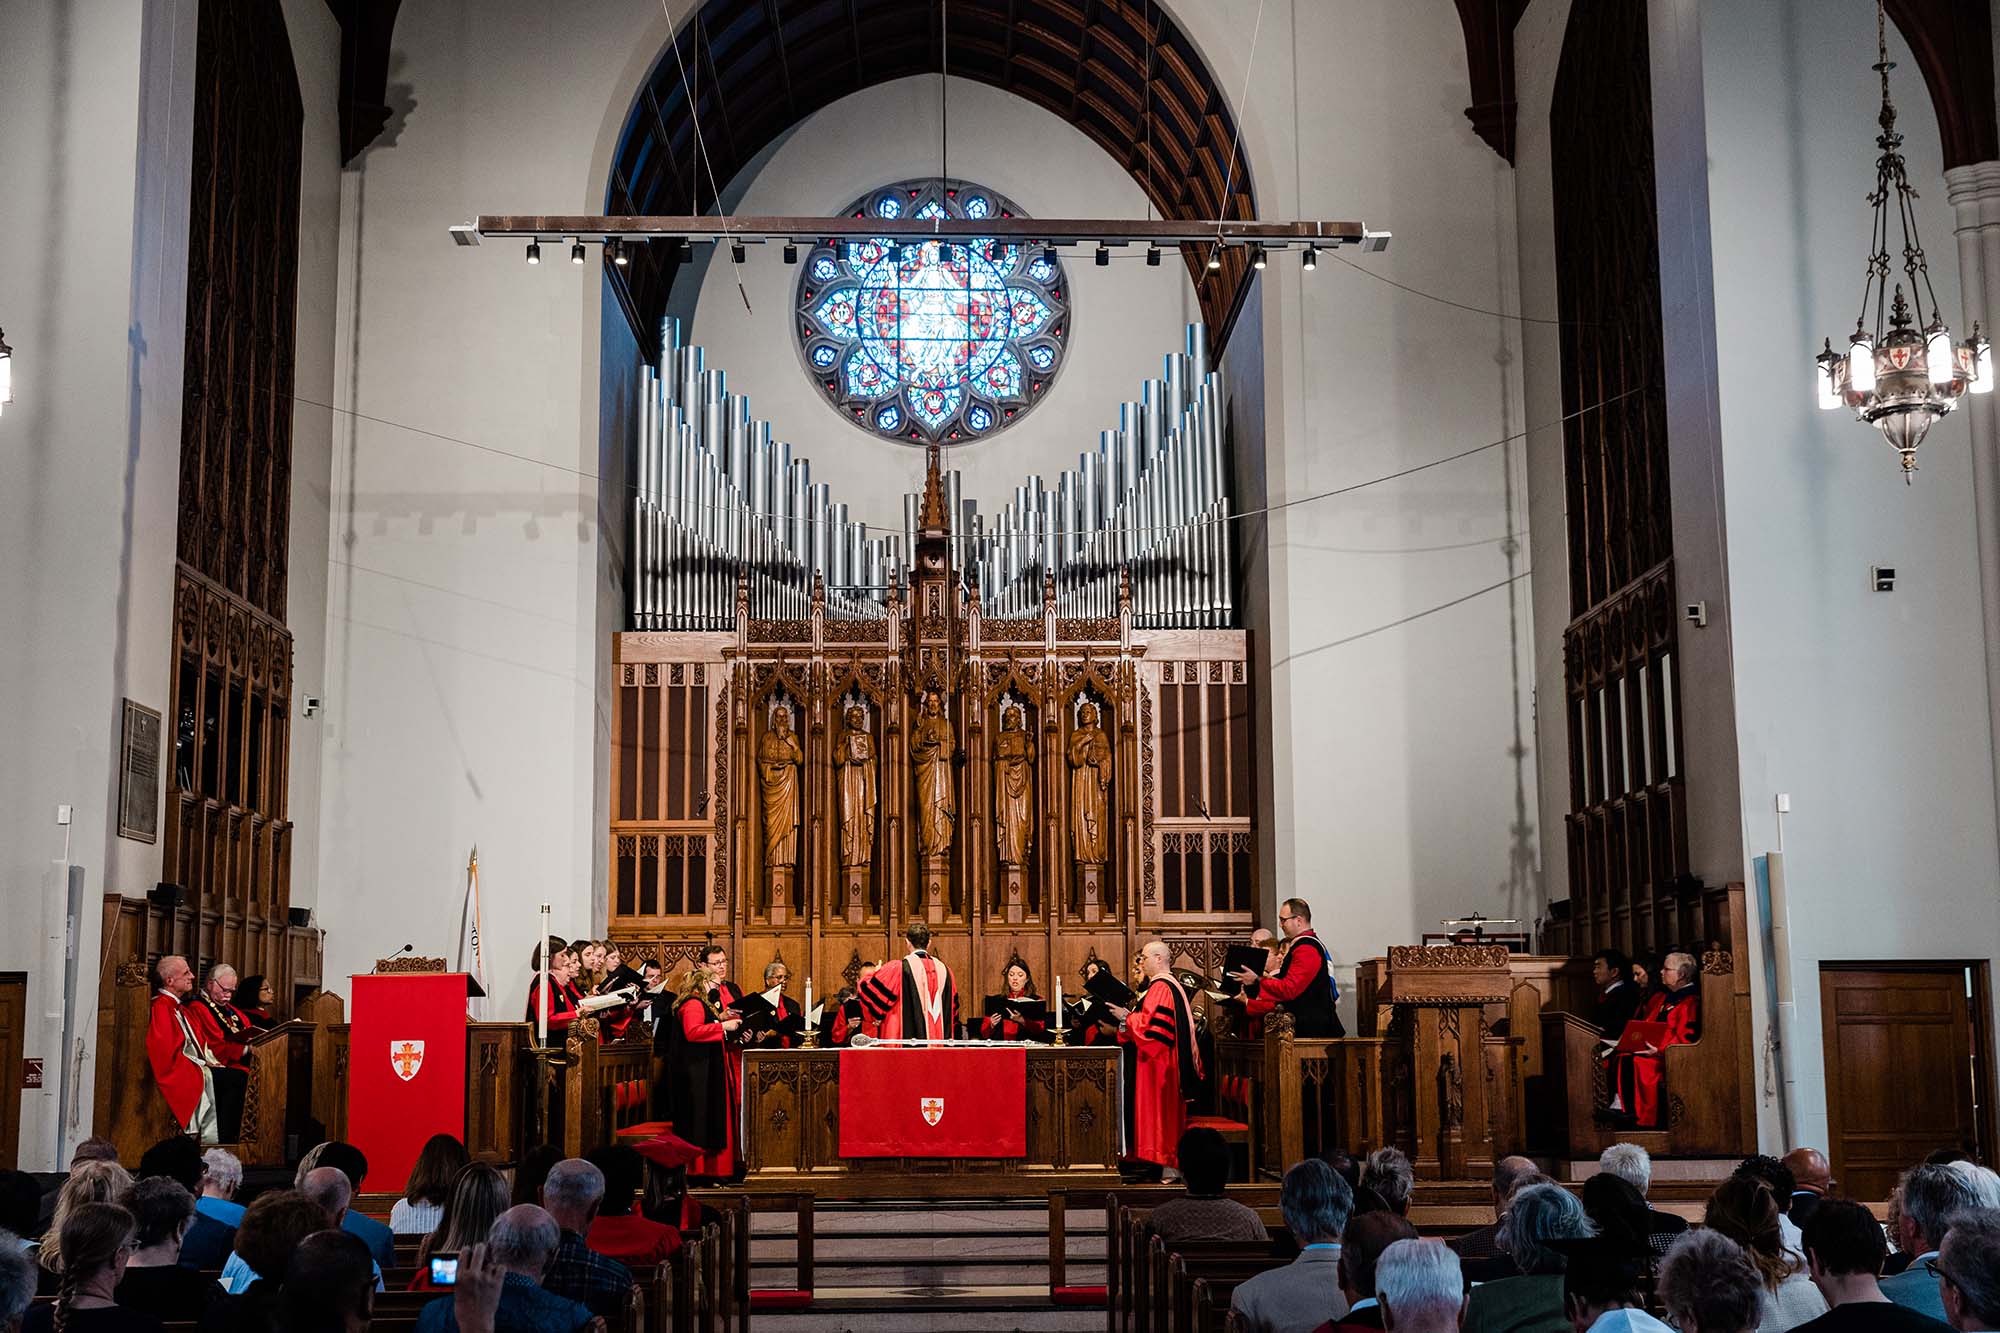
<point x="778" y="762"/>
<point x="931" y="747"/>
<point x="1013" y="788"/>
<point x="855" y="755"/>
<point x="1089" y="785"/>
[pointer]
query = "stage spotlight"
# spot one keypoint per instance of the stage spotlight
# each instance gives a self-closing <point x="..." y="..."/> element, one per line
<point x="1312" y="258"/>
<point x="1048" y="254"/>
<point x="1103" y="256"/>
<point x="1257" y="259"/>
<point x="1214" y="258"/>
<point x="576" y="252"/>
<point x="616" y="249"/>
<point x="737" y="254"/>
<point x="1152" y="256"/>
<point x="791" y="254"/>
<point x="534" y="252"/>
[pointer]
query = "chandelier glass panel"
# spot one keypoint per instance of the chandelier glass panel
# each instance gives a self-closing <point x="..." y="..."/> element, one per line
<point x="1900" y="371"/>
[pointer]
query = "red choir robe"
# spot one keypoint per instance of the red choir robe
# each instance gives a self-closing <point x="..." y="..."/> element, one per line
<point x="222" y="1028"/>
<point x="562" y="1009"/>
<point x="705" y="1071"/>
<point x="1303" y="986"/>
<point x="913" y="999"/>
<point x="997" y="1027"/>
<point x="182" y="1081"/>
<point x="1638" y="1078"/>
<point x="1161" y="1034"/>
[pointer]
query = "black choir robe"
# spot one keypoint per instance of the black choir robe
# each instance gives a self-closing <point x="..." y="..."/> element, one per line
<point x="705" y="1083"/>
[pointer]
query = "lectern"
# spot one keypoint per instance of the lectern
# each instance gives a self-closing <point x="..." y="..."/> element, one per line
<point x="405" y="1068"/>
<point x="1438" y="993"/>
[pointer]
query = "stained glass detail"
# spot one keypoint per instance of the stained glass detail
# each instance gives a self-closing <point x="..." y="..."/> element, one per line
<point x="931" y="334"/>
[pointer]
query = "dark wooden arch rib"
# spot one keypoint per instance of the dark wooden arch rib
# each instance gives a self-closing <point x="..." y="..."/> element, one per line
<point x="759" y="67"/>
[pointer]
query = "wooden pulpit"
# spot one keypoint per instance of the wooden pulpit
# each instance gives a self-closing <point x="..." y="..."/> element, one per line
<point x="1437" y="993"/>
<point x="278" y="1097"/>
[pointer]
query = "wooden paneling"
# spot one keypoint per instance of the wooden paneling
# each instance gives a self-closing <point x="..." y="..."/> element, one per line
<point x="13" y="1039"/>
<point x="1901" y="1049"/>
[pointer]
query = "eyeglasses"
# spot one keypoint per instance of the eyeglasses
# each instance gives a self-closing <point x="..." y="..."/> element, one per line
<point x="1937" y="1269"/>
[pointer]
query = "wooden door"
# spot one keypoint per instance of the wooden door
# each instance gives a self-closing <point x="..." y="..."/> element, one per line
<point x="1903" y="1059"/>
<point x="13" y="1035"/>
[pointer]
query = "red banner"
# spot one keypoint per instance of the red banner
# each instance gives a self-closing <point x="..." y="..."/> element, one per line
<point x="934" y="1101"/>
<point x="405" y="1069"/>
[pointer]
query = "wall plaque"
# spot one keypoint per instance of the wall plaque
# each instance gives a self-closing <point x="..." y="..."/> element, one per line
<point x="139" y="775"/>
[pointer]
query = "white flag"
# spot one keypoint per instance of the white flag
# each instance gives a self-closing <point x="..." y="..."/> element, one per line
<point x="470" y="960"/>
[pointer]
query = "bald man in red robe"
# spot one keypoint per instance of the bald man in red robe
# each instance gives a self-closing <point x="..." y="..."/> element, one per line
<point x="914" y="999"/>
<point x="1638" y="1078"/>
<point x="182" y="1066"/>
<point x="1161" y="1034"/>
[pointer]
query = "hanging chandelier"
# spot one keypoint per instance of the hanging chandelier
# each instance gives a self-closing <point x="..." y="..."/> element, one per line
<point x="1901" y="375"/>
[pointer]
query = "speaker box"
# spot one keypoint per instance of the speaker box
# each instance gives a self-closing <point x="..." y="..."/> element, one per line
<point x="164" y="894"/>
<point x="301" y="916"/>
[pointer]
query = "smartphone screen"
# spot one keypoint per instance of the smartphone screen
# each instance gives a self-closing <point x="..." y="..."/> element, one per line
<point x="444" y="1272"/>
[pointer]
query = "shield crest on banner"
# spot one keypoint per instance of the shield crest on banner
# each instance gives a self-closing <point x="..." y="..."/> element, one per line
<point x="933" y="1109"/>
<point x="406" y="1057"/>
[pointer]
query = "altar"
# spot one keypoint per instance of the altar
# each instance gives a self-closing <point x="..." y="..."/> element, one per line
<point x="1064" y="1101"/>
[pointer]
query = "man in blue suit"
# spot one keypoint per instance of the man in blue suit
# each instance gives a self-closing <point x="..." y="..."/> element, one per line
<point x="1932" y="1196"/>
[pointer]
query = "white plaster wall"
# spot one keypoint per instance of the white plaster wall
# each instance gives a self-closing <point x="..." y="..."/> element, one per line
<point x="1124" y="318"/>
<point x="1399" y="664"/>
<point x="1869" y="709"/>
<point x="95" y="113"/>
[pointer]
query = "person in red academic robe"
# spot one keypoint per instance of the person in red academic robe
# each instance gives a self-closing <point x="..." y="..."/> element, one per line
<point x="1304" y="984"/>
<point x="182" y="1066"/>
<point x="562" y="1001"/>
<point x="217" y="1020"/>
<point x="915" y="999"/>
<point x="1638" y="1077"/>
<point x="844" y="1018"/>
<point x="1017" y="985"/>
<point x="1161" y="1034"/>
<point x="705" y="1066"/>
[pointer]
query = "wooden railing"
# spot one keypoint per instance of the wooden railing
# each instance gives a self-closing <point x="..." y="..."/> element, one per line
<point x="1308" y="1094"/>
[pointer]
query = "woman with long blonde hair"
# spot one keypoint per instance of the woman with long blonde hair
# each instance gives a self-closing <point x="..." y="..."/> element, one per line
<point x="95" y="1181"/>
<point x="96" y="1241"/>
<point x="479" y="1194"/>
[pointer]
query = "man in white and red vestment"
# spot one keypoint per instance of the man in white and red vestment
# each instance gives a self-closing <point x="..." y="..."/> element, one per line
<point x="1161" y="1034"/>
<point x="1303" y="986"/>
<point x="217" y="1020"/>
<point x="705" y="1067"/>
<point x="182" y="1066"/>
<point x="1637" y="1077"/>
<point x="914" y="999"/>
<point x="562" y="998"/>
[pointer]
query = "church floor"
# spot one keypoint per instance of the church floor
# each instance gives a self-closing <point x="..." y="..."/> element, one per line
<point x="891" y="1268"/>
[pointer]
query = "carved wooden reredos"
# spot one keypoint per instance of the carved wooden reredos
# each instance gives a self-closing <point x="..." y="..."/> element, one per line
<point x="694" y="713"/>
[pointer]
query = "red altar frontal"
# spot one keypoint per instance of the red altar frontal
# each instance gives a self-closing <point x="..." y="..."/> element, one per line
<point x="956" y="1115"/>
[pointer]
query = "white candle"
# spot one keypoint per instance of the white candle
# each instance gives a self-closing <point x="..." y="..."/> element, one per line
<point x="542" y="1009"/>
<point x="809" y="998"/>
<point x="1062" y="1019"/>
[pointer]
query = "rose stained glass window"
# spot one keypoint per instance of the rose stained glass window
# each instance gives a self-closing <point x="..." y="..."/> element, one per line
<point x="931" y="341"/>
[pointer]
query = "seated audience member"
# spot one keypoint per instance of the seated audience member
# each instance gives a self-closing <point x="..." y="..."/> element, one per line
<point x="571" y="1197"/>
<point x="1932" y="1196"/>
<point x="533" y="1172"/>
<point x="1601" y="1280"/>
<point x="1968" y="1270"/>
<point x="620" y="1231"/>
<point x="1708" y="1284"/>
<point x="178" y="1158"/>
<point x="417" y="1212"/>
<point x="274" y="1226"/>
<point x="1892" y="1225"/>
<point x="1617" y="1210"/>
<point x="1634" y="1165"/>
<point x="92" y="1181"/>
<point x="1531" y="1301"/>
<point x="154" y="1279"/>
<point x="1300" y="1295"/>
<point x="329" y="1286"/>
<point x="523" y="1243"/>
<point x="216" y="1212"/>
<point x="1812" y="1180"/>
<point x="348" y="1160"/>
<point x="1743" y="1210"/>
<point x="1783" y="1185"/>
<point x="93" y="1149"/>
<point x="96" y="1240"/>
<point x="1420" y="1287"/>
<point x="1618" y="996"/>
<point x="1844" y="1254"/>
<point x="478" y="1195"/>
<point x="324" y="1186"/>
<point x="1388" y="1173"/>
<point x="1361" y="1247"/>
<point x="1478" y="1251"/>
<point x="1203" y="1213"/>
<point x="17" y="1281"/>
<point x="20" y="1208"/>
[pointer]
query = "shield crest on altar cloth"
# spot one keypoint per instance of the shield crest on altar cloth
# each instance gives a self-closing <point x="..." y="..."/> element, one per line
<point x="933" y="1109"/>
<point x="406" y="1057"/>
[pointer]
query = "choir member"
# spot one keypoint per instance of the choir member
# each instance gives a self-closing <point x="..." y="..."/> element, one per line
<point x="1618" y="998"/>
<point x="560" y="1004"/>
<point x="590" y="954"/>
<point x="1011" y="1025"/>
<point x="619" y="979"/>
<point x="845" y="1017"/>
<point x="788" y="1021"/>
<point x="914" y="999"/>
<point x="705" y="1067"/>
<point x="254" y="997"/>
<point x="182" y="1066"/>
<point x="1099" y="1028"/>
<point x="1637" y="1076"/>
<point x="1168" y="1064"/>
<point x="216" y="1019"/>
<point x="1304" y="984"/>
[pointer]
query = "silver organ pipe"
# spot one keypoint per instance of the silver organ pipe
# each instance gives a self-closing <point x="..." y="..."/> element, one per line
<point x="717" y="500"/>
